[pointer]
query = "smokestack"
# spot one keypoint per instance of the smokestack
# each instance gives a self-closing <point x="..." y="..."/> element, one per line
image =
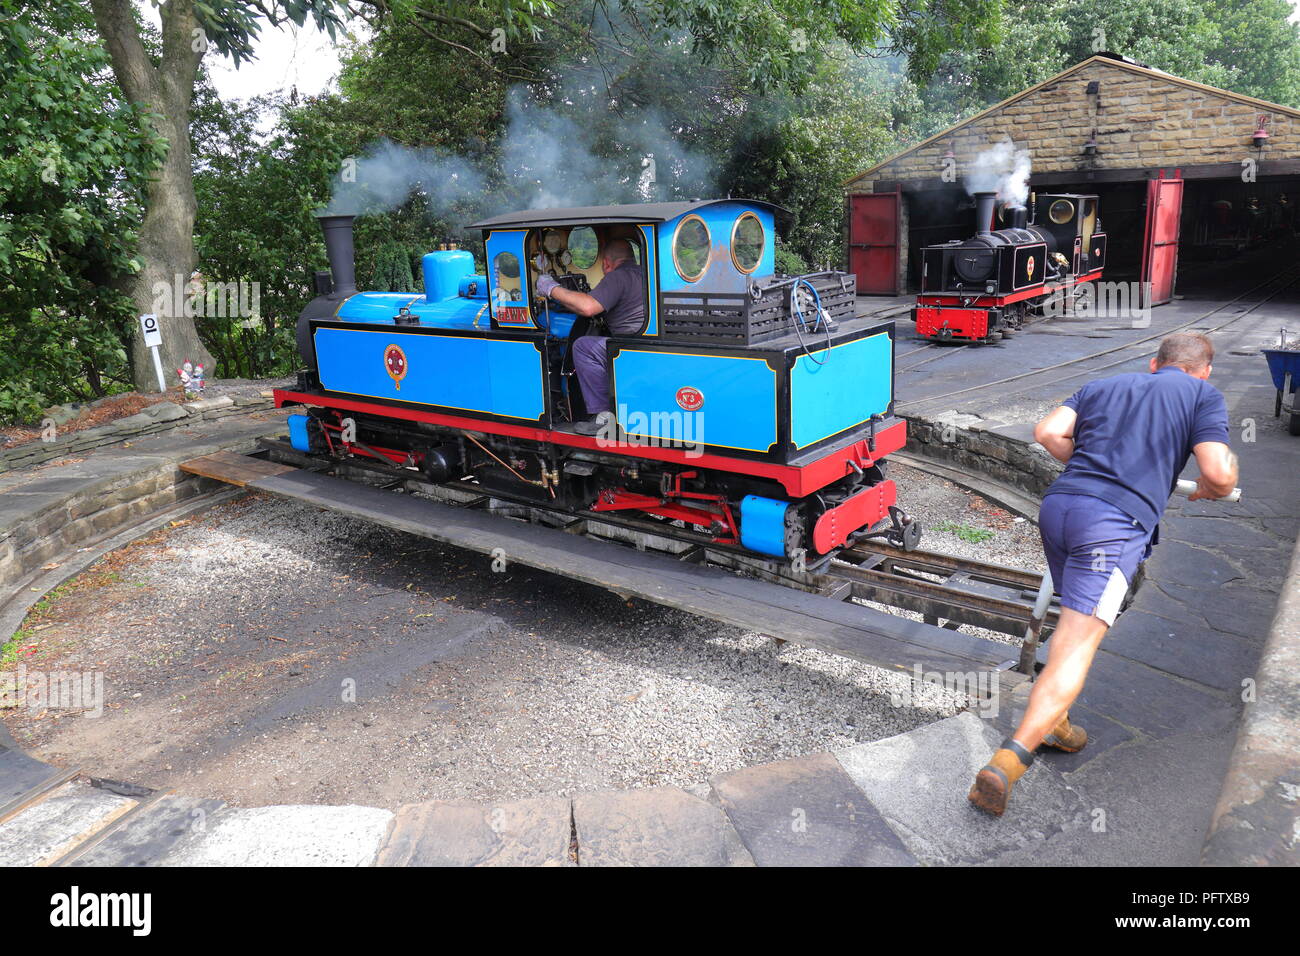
<point x="983" y="213"/>
<point x="338" y="246"/>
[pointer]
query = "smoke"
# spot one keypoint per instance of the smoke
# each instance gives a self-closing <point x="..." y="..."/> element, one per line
<point x="387" y="175"/>
<point x="1002" y="168"/>
<point x="576" y="153"/>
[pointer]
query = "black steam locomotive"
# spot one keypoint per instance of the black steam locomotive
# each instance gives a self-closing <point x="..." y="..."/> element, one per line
<point x="982" y="288"/>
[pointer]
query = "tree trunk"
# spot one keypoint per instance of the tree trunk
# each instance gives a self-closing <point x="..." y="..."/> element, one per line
<point x="166" y="236"/>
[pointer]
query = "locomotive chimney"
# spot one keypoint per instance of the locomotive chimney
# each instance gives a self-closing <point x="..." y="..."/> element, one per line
<point x="984" y="213"/>
<point x="338" y="246"/>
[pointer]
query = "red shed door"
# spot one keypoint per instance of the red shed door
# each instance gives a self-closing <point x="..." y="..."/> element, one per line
<point x="1160" y="246"/>
<point x="873" y="242"/>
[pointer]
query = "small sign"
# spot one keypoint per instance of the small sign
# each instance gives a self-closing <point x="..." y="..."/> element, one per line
<point x="690" y="398"/>
<point x="395" y="364"/>
<point x="513" y="315"/>
<point x="152" y="335"/>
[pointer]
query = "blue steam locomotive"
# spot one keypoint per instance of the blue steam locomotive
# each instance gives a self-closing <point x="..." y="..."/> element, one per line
<point x="751" y="410"/>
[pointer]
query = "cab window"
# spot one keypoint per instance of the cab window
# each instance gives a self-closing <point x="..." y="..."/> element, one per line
<point x="505" y="278"/>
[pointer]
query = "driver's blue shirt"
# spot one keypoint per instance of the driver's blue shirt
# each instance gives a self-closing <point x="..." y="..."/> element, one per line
<point x="1134" y="435"/>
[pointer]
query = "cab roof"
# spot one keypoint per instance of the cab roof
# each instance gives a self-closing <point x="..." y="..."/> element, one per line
<point x="633" y="213"/>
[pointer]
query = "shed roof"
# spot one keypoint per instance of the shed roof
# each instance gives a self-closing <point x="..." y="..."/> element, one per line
<point x="1104" y="58"/>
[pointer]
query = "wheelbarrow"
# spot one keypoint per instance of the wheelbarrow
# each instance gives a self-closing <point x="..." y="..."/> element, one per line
<point x="1284" y="366"/>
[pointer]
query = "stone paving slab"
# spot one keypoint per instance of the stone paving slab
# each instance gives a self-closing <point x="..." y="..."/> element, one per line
<point x="661" y="826"/>
<point x="919" y="781"/>
<point x="807" y="812"/>
<point x="1144" y="699"/>
<point x="1148" y="804"/>
<point x="1246" y="611"/>
<point x="48" y="829"/>
<point x="155" y="831"/>
<point x="1214" y="658"/>
<point x="286" y="836"/>
<point x="462" y="833"/>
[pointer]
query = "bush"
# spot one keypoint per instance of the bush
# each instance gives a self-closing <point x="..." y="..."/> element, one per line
<point x="788" y="261"/>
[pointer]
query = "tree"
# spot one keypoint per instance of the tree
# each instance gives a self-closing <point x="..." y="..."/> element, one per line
<point x="797" y="151"/>
<point x="1248" y="46"/>
<point x="164" y="88"/>
<point x="72" y="177"/>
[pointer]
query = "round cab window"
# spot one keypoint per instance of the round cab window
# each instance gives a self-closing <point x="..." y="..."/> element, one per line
<point x="1061" y="211"/>
<point x="691" y="248"/>
<point x="583" y="247"/>
<point x="747" y="243"/>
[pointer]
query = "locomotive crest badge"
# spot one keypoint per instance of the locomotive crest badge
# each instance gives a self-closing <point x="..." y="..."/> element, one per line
<point x="690" y="398"/>
<point x="395" y="364"/>
<point x="1029" y="268"/>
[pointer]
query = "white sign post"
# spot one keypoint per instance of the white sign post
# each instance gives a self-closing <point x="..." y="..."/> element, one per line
<point x="153" y="339"/>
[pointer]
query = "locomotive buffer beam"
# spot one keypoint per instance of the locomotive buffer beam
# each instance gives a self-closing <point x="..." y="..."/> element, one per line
<point x="827" y="623"/>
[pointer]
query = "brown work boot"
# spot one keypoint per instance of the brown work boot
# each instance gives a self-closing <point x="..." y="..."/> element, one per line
<point x="1066" y="737"/>
<point x="993" y="784"/>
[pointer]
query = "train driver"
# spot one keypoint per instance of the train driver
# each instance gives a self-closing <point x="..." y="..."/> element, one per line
<point x="620" y="294"/>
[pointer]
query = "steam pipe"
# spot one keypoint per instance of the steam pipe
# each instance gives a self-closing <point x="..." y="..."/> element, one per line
<point x="338" y="246"/>
<point x="984" y="213"/>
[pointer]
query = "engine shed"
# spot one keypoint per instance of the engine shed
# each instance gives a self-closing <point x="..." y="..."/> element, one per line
<point x="1186" y="174"/>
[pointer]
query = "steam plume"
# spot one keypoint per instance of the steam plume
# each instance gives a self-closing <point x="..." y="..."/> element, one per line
<point x="1003" y="168"/>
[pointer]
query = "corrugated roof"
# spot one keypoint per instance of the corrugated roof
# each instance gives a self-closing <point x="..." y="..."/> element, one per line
<point x="1109" y="59"/>
<point x="636" y="212"/>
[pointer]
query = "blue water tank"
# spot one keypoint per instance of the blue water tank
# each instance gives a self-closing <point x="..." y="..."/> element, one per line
<point x="443" y="272"/>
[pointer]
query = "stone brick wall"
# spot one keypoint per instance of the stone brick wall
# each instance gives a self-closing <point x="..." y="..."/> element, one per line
<point x="971" y="445"/>
<point x="89" y="514"/>
<point x="1145" y="120"/>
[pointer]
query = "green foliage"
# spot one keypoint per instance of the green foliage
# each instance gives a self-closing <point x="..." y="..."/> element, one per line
<point x="797" y="151"/>
<point x="392" y="271"/>
<point x="256" y="196"/>
<point x="232" y="26"/>
<point x="72" y="176"/>
<point x="1247" y="46"/>
<point x="787" y="261"/>
<point x="965" y="532"/>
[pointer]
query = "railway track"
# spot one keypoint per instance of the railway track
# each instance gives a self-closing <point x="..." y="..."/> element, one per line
<point x="1282" y="281"/>
<point x="945" y="590"/>
<point x="950" y="348"/>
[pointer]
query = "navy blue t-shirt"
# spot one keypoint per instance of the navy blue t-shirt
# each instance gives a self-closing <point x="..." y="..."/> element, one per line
<point x="1133" y="437"/>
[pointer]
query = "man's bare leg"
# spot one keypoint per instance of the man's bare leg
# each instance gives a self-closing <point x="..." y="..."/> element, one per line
<point x="1069" y="655"/>
<point x="1070" y="652"/>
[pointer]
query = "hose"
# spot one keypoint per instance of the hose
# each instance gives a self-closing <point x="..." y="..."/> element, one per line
<point x="801" y="324"/>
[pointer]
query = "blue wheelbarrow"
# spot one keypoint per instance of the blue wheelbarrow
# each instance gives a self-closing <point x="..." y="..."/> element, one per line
<point x="1284" y="366"/>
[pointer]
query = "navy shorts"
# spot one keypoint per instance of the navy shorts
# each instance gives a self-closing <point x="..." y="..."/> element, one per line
<point x="1093" y="550"/>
